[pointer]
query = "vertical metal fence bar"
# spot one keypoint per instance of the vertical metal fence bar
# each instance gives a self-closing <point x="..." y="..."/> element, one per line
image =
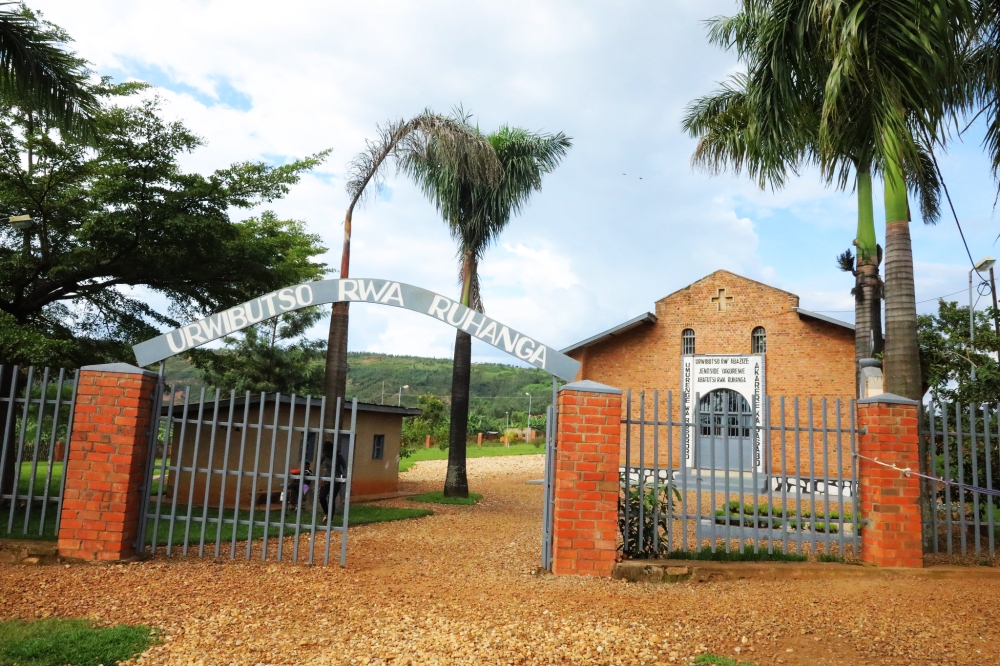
<point x="52" y="446"/>
<point x="194" y="471"/>
<point x="640" y="544"/>
<point x="65" y="460"/>
<point x="826" y="482"/>
<point x="20" y="448"/>
<point x="932" y="471"/>
<point x="798" y="474"/>
<point x="840" y="480"/>
<point x="152" y="438"/>
<point x="628" y="469"/>
<point x="960" y="464"/>
<point x="656" y="472"/>
<point x="208" y="474"/>
<point x="251" y="522"/>
<point x="177" y="468"/>
<point x="989" y="478"/>
<point x="288" y="477"/>
<point x="225" y="476"/>
<point x="301" y="497"/>
<point x="727" y="472"/>
<point x="7" y="446"/>
<point x="812" y="478"/>
<point x="270" y="477"/>
<point x="755" y="438"/>
<point x="768" y="463"/>
<point x="244" y="426"/>
<point x="333" y="477"/>
<point x="974" y="449"/>
<point x="855" y="519"/>
<point x="317" y="473"/>
<point x="34" y="453"/>
<point x="785" y="522"/>
<point x="947" y="475"/>
<point x="685" y="450"/>
<point x="347" y="487"/>
<point x="545" y="488"/>
<point x="670" y="472"/>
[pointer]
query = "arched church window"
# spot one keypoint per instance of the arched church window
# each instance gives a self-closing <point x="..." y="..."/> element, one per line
<point x="758" y="341"/>
<point x="687" y="341"/>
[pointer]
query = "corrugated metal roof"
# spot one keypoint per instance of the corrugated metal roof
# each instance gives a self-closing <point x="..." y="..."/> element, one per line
<point x="648" y="318"/>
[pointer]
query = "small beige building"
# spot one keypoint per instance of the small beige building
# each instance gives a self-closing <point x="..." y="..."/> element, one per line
<point x="255" y="443"/>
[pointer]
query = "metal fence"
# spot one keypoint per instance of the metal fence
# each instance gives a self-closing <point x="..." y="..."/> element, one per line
<point x="36" y="410"/>
<point x="729" y="474"/>
<point x="248" y="476"/>
<point x="960" y="448"/>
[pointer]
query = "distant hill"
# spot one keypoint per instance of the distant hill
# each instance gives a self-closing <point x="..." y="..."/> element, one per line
<point x="495" y="388"/>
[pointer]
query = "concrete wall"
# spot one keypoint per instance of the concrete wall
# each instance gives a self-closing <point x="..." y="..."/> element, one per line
<point x="370" y="477"/>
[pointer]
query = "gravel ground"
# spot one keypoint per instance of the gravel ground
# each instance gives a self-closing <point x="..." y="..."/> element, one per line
<point x="457" y="588"/>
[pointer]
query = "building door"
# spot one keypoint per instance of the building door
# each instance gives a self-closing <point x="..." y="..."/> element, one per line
<point x="725" y="431"/>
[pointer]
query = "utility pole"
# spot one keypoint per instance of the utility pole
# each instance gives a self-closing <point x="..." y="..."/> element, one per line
<point x="996" y="313"/>
<point x="382" y="402"/>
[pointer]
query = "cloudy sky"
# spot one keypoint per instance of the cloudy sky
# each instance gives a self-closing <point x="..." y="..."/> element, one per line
<point x="624" y="221"/>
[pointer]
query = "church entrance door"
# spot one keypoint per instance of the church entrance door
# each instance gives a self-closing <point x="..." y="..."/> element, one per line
<point x="725" y="432"/>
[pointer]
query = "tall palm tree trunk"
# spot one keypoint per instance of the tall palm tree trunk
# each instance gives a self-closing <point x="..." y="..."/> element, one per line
<point x="902" y="355"/>
<point x="456" y="483"/>
<point x="335" y="375"/>
<point x="867" y="290"/>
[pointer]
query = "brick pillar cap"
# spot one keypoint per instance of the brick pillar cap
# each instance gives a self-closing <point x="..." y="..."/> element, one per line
<point x="588" y="386"/>
<point x="887" y="398"/>
<point x="121" y="368"/>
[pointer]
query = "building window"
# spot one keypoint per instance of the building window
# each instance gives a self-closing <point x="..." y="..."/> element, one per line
<point x="687" y="341"/>
<point x="378" y="447"/>
<point x="758" y="341"/>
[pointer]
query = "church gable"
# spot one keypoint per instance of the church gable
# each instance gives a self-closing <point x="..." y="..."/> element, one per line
<point x="726" y="295"/>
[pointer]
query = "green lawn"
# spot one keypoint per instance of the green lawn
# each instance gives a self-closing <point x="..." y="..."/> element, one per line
<point x="472" y="451"/>
<point x="48" y="533"/>
<point x="437" y="497"/>
<point x="361" y="514"/>
<point x="40" y="471"/>
<point x="716" y="660"/>
<point x="56" y="642"/>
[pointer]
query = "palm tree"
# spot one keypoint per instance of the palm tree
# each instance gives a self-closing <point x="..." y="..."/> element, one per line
<point x="476" y="214"/>
<point x="457" y="145"/>
<point x="40" y="75"/>
<point x="735" y="130"/>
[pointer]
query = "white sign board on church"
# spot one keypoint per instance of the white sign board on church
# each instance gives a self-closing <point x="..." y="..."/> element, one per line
<point x="703" y="373"/>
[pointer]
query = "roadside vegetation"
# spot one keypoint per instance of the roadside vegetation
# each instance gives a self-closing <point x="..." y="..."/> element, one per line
<point x="57" y="642"/>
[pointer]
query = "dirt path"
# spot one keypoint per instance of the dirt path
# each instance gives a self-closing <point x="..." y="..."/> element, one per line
<point x="457" y="588"/>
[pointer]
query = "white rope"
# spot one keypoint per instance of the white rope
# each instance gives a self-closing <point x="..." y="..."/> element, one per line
<point x="907" y="472"/>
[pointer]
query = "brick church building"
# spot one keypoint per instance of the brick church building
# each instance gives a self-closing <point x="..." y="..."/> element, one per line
<point x="727" y="342"/>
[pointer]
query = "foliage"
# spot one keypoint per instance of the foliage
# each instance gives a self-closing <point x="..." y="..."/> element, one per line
<point x="437" y="497"/>
<point x="706" y="554"/>
<point x="54" y="642"/>
<point x="121" y="220"/>
<point x="650" y="501"/>
<point x="271" y="356"/>
<point x="947" y="354"/>
<point x="38" y="71"/>
<point x="431" y="421"/>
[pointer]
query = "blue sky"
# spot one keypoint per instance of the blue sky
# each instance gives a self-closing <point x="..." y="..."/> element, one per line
<point x="624" y="221"/>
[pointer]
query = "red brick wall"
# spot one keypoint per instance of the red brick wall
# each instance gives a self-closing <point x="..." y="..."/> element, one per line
<point x="805" y="357"/>
<point x="585" y="519"/>
<point x="890" y="501"/>
<point x="107" y="458"/>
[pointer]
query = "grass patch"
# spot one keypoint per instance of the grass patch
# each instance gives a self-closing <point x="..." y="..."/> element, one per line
<point x="716" y="660"/>
<point x="437" y="497"/>
<point x="56" y="642"/>
<point x="734" y="556"/>
<point x="823" y="557"/>
<point x="24" y="480"/>
<point x="361" y="514"/>
<point x="473" y="451"/>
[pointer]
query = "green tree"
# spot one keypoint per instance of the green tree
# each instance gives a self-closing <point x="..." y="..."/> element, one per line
<point x="39" y="73"/>
<point x="476" y="214"/>
<point x="119" y="223"/>
<point x="948" y="355"/>
<point x="431" y="422"/>
<point x="463" y="150"/>
<point x="273" y="356"/>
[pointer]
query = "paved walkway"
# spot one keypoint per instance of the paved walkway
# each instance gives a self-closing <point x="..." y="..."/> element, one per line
<point x="457" y="588"/>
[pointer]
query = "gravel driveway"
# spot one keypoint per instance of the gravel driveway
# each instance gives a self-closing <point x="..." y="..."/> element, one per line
<point x="457" y="588"/>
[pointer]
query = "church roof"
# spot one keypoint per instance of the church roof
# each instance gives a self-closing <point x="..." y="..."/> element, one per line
<point x="635" y="322"/>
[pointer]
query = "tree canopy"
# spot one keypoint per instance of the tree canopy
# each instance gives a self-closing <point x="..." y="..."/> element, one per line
<point x="123" y="239"/>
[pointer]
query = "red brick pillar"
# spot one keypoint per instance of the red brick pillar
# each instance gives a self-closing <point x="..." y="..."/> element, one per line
<point x="890" y="500"/>
<point x="107" y="462"/>
<point x="585" y="519"/>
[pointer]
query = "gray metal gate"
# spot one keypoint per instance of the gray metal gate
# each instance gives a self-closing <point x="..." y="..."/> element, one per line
<point x="960" y="466"/>
<point x="36" y="410"/>
<point x="794" y="490"/>
<point x="248" y="475"/>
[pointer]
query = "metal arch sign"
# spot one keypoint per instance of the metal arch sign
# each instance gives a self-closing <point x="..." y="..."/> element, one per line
<point x="360" y="290"/>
